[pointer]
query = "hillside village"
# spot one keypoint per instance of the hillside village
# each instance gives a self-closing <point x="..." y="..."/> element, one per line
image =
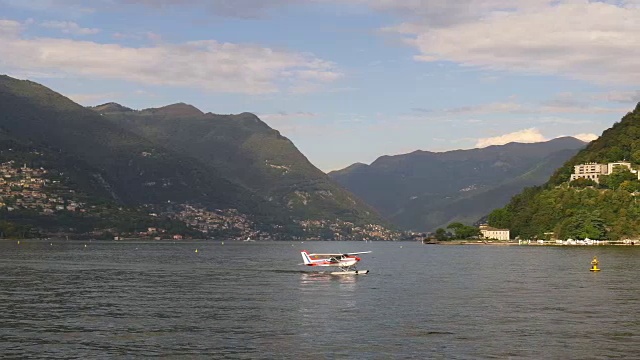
<point x="42" y="191"/>
<point x="344" y="230"/>
<point x="237" y="226"/>
<point x="24" y="188"/>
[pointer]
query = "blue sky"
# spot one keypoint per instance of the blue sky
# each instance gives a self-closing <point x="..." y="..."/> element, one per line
<point x="346" y="80"/>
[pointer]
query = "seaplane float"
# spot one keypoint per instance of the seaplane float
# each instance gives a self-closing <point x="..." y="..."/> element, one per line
<point x="346" y="262"/>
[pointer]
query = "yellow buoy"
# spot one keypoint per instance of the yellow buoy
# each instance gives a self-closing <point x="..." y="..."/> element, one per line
<point x="594" y="264"/>
<point x="18" y="242"/>
<point x="196" y="250"/>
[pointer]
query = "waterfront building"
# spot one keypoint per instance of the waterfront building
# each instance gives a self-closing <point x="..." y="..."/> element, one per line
<point x="489" y="232"/>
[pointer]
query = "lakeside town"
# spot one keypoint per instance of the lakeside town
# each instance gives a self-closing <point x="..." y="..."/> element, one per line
<point x="44" y="192"/>
<point x="237" y="226"/>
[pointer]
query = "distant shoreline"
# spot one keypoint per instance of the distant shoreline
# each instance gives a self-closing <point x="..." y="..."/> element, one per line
<point x="510" y="243"/>
<point x="467" y="242"/>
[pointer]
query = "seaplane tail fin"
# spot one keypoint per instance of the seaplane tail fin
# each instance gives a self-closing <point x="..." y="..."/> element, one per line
<point x="305" y="257"/>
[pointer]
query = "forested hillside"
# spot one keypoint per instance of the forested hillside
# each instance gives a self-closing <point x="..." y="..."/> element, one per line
<point x="582" y="208"/>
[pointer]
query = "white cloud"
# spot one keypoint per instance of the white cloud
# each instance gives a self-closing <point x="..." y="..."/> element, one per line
<point x="146" y="35"/>
<point x="577" y="109"/>
<point x="206" y="64"/>
<point x="523" y="136"/>
<point x="620" y="96"/>
<point x="529" y="135"/>
<point x="554" y="106"/>
<point x="92" y="99"/>
<point x="69" y="27"/>
<point x="283" y="115"/>
<point x="495" y="107"/>
<point x="70" y="8"/>
<point x="224" y="8"/>
<point x="586" y="137"/>
<point x="592" y="41"/>
<point x="10" y="28"/>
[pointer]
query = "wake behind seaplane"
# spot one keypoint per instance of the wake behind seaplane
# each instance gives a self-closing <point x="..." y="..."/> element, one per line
<point x="346" y="262"/>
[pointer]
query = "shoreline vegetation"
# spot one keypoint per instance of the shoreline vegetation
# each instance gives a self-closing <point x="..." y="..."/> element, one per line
<point x="532" y="243"/>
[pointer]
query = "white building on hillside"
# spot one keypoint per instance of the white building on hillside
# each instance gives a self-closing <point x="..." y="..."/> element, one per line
<point x="489" y="232"/>
<point x="593" y="171"/>
<point x="611" y="166"/>
<point x="589" y="171"/>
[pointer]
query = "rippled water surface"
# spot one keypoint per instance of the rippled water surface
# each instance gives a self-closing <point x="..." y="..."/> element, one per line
<point x="253" y="300"/>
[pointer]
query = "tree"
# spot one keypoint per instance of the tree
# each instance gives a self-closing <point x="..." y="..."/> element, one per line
<point x="614" y="153"/>
<point x="582" y="183"/>
<point x="630" y="186"/>
<point x="463" y="231"/>
<point x="500" y="218"/>
<point x="584" y="224"/>
<point x="619" y="175"/>
<point x="441" y="234"/>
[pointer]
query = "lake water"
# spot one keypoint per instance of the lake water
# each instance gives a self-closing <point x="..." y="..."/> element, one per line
<point x="253" y="300"/>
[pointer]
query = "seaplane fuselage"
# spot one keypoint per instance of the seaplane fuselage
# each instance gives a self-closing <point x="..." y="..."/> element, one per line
<point x="340" y="260"/>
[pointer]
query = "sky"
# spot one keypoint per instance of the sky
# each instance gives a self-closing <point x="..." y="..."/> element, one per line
<point x="346" y="80"/>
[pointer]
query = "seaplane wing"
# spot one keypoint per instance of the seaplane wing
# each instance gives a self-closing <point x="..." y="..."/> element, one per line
<point x="341" y="254"/>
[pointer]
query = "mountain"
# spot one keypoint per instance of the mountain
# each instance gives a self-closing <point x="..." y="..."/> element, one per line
<point x="176" y="154"/>
<point x="248" y="152"/>
<point x="210" y="169"/>
<point x="424" y="190"/>
<point x="111" y="107"/>
<point x="581" y="208"/>
<point x="128" y="167"/>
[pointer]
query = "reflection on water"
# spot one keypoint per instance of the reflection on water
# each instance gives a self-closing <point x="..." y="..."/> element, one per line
<point x="315" y="277"/>
<point x="253" y="300"/>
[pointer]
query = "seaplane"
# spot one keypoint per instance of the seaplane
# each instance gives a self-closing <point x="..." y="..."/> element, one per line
<point x="346" y="262"/>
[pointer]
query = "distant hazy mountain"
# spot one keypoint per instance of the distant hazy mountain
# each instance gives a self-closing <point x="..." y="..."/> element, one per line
<point x="424" y="190"/>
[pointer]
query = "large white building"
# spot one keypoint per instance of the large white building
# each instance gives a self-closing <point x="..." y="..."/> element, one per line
<point x="489" y="232"/>
<point x="593" y="171"/>
<point x="611" y="166"/>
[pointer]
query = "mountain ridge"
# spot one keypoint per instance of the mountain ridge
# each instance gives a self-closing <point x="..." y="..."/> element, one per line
<point x="406" y="188"/>
<point x="251" y="153"/>
<point x="50" y="118"/>
<point x="199" y="162"/>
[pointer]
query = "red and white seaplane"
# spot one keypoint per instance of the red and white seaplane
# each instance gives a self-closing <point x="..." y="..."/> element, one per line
<point x="346" y="262"/>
